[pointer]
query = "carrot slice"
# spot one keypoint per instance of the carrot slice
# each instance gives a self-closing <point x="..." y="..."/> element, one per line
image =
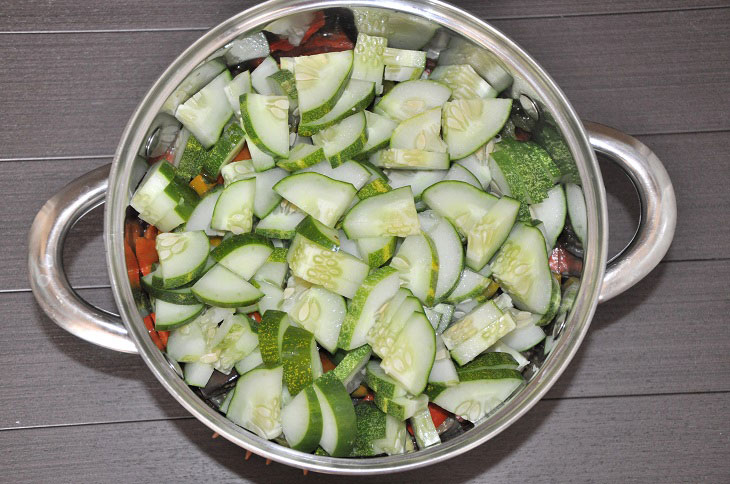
<point x="151" y="232"/>
<point x="438" y="414"/>
<point x="132" y="266"/>
<point x="244" y="154"/>
<point x="255" y="316"/>
<point x="146" y="254"/>
<point x="200" y="185"/>
<point x="327" y="364"/>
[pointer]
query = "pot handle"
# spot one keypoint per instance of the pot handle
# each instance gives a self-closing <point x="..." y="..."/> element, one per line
<point x="45" y="263"/>
<point x="658" y="217"/>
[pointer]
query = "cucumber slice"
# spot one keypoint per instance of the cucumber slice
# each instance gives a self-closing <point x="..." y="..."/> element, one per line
<point x="457" y="172"/>
<point x="356" y="97"/>
<point x="274" y="270"/>
<point x="460" y="203"/>
<point x="202" y="215"/>
<point x="301" y="156"/>
<point x="234" y="208"/>
<point x="157" y="178"/>
<point x="412" y="356"/>
<point x="171" y="207"/>
<point x="463" y="81"/>
<point x="170" y="316"/>
<point x="524" y="336"/>
<point x="234" y="340"/>
<point x="391" y="213"/>
<point x="403" y="30"/>
<point x="243" y="254"/>
<point x="281" y="222"/>
<point x="500" y="347"/>
<point x="409" y="98"/>
<point x="245" y="48"/>
<point x="471" y="324"/>
<point x="488" y="361"/>
<point x="207" y="111"/>
<point x="472" y="400"/>
<point x="471" y="285"/>
<point x="182" y="257"/>
<point x="396" y="441"/>
<point x="523" y="170"/>
<point x="336" y="271"/>
<point x="319" y="233"/>
<point x="381" y="383"/>
<point x="577" y="211"/>
<point x="469" y="123"/>
<point x="376" y="251"/>
<point x="521" y="269"/>
<point x="410" y="159"/>
<point x="371" y="423"/>
<point x="261" y="160"/>
<point x="551" y="212"/>
<point x="401" y="408"/>
<point x="321" y="312"/>
<point x="347" y="245"/>
<point x="484" y="333"/>
<point x="351" y="172"/>
<point x="196" y="80"/>
<point x="273" y="296"/>
<point x="488" y="233"/>
<point x="339" y="424"/>
<point x="197" y="374"/>
<point x="478" y="164"/>
<point x="300" y="358"/>
<point x="555" y="303"/>
<point x="193" y="156"/>
<point x="421" y="132"/>
<point x="266" y="121"/>
<point x="271" y="335"/>
<point x="266" y="199"/>
<point x="375" y="187"/>
<point x="351" y="366"/>
<point x="448" y="249"/>
<point x="368" y="303"/>
<point x="382" y="336"/>
<point x="443" y="371"/>
<point x="417" y="180"/>
<point x="320" y="80"/>
<point x="283" y="84"/>
<point x="402" y="74"/>
<point x="241" y="84"/>
<point x="368" y="61"/>
<point x="222" y="288"/>
<point x="379" y="130"/>
<point x="301" y="421"/>
<point x="239" y="170"/>
<point x="248" y="363"/>
<point x="260" y="76"/>
<point x="344" y="140"/>
<point x="462" y="51"/>
<point x="424" y="430"/>
<point x="418" y="267"/>
<point x="321" y="197"/>
<point x="256" y="403"/>
<point x="225" y="149"/>
<point x="404" y="58"/>
<point x="294" y="27"/>
<point x="175" y="296"/>
<point x="187" y="343"/>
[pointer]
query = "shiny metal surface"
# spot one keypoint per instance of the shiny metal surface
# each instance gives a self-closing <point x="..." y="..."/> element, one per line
<point x="45" y="265"/>
<point x="528" y="79"/>
<point x="658" y="208"/>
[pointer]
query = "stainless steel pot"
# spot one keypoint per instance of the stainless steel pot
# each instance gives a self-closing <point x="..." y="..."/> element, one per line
<point x="540" y="97"/>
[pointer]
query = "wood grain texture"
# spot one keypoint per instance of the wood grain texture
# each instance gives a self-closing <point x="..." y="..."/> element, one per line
<point x="42" y="15"/>
<point x="646" y="77"/>
<point x="682" y="438"/>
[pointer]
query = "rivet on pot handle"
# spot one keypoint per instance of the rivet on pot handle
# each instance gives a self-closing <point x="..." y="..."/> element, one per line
<point x="45" y="262"/>
<point x="658" y="208"/>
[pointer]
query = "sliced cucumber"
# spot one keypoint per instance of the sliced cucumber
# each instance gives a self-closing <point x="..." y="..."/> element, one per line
<point x="551" y="212"/>
<point x="383" y="334"/>
<point x="301" y="156"/>
<point x="488" y="233"/>
<point x="260" y="76"/>
<point x="170" y="316"/>
<point x="396" y="441"/>
<point x="248" y="363"/>
<point x="271" y="335"/>
<point x="190" y="163"/>
<point x="470" y="286"/>
<point x="197" y="374"/>
<point x="336" y="271"/>
<point x="319" y="233"/>
<point x="243" y="254"/>
<point x="320" y="80"/>
<point x="274" y="269"/>
<point x="463" y="81"/>
<point x="390" y="213"/>
<point x="283" y="84"/>
<point x="381" y="383"/>
<point x="500" y="347"/>
<point x="379" y="131"/>
<point x="448" y="249"/>
<point x="443" y="371"/>
<point x="222" y="288"/>
<point x="157" y="178"/>
<point x="281" y="222"/>
<point x="348" y="245"/>
<point x="187" y="343"/>
<point x="526" y="334"/>
<point x="153" y="287"/>
<point x="488" y="361"/>
<point x="300" y="358"/>
<point x="469" y="123"/>
<point x="412" y="356"/>
<point x="234" y="340"/>
<point x="463" y="51"/>
<point x="201" y="75"/>
<point x="266" y="121"/>
<point x="418" y="266"/>
<point x="403" y="30"/>
<point x="171" y="207"/>
<point x="376" y="251"/>
<point x="472" y="400"/>
<point x="420" y="132"/>
<point x="241" y="84"/>
<point x="321" y="312"/>
<point x="417" y="180"/>
<point x="273" y="296"/>
<point x="202" y="215"/>
<point x="457" y="172"/>
<point x="301" y="421"/>
<point x="371" y="423"/>
<point x="182" y="257"/>
<point x="424" y="430"/>
<point x="339" y="424"/>
<point x="523" y="170"/>
<point x="321" y="197"/>
<point x="350" y="368"/>
<point x="401" y="408"/>
<point x="486" y="333"/>
<point x="372" y="188"/>
<point x="410" y="98"/>
<point x="460" y="203"/>
<point x="256" y="403"/>
<point x="207" y="111"/>
<point x="234" y="208"/>
<point x="555" y="304"/>
<point x="521" y="269"/>
<point x="368" y="62"/>
<point x="245" y="48"/>
<point x="238" y="170"/>
<point x="402" y="74"/>
<point x="478" y="164"/>
<point x="577" y="211"/>
<point x="356" y="97"/>
<point x="351" y="172"/>
<point x="368" y="303"/>
<point x="261" y="160"/>
<point x="344" y="140"/>
<point x="410" y="159"/>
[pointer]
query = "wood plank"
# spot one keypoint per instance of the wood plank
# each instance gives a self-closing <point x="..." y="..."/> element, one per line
<point x="38" y="15"/>
<point x="682" y="438"/>
<point x="668" y="335"/>
<point x="644" y="73"/>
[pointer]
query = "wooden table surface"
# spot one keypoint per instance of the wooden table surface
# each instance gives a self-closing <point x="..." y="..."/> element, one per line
<point x="645" y="399"/>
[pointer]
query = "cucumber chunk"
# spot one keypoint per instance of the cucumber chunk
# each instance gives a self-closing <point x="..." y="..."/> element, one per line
<point x="266" y="121"/>
<point x="471" y="285"/>
<point x="197" y="374"/>
<point x="319" y="233"/>
<point x="376" y="251"/>
<point x="301" y="421"/>
<point x="321" y="312"/>
<point x="202" y="215"/>
<point x="551" y="212"/>
<point x="383" y="334"/>
<point x="413" y="354"/>
<point x="379" y="130"/>
<point x="233" y="340"/>
<point x="170" y="316"/>
<point x="488" y="233"/>
<point x="190" y="162"/>
<point x="420" y="132"/>
<point x="478" y="164"/>
<point x="418" y="266"/>
<point x="463" y="81"/>
<point x="476" y="332"/>
<point x="404" y="31"/>
<point x="424" y="430"/>
<point x="577" y="211"/>
<point x="371" y="423"/>
<point x="523" y="170"/>
<point x="381" y="383"/>
<point x="243" y="254"/>
<point x="300" y="358"/>
<point x="448" y="249"/>
<point x="225" y="149"/>
<point x="260" y="76"/>
<point x="443" y="371"/>
<point x="457" y="172"/>
<point x="460" y="203"/>
<point x="157" y="178"/>
<point x="153" y="287"/>
<point x="368" y="61"/>
<point x="417" y="180"/>
<point x="526" y="333"/>
<point x="410" y="98"/>
<point x="350" y="368"/>
<point x="256" y="403"/>
<point x="356" y="97"/>
<point x="301" y="156"/>
<point x="390" y="213"/>
<point x="344" y="140"/>
<point x="281" y="222"/>
<point x="339" y="424"/>
<point x="234" y="208"/>
<point x="261" y="160"/>
<point x="201" y="75"/>
<point x="283" y="84"/>
<point x="372" y="188"/>
<point x="320" y="80"/>
<point x="271" y="336"/>
<point x="248" y="363"/>
<point x="469" y="123"/>
<point x="222" y="288"/>
<point x="351" y="172"/>
<point x="207" y="111"/>
<point x="182" y="257"/>
<point x="403" y="407"/>
<point x="241" y="84"/>
<point x="402" y="74"/>
<point x="410" y="159"/>
<point x="321" y="197"/>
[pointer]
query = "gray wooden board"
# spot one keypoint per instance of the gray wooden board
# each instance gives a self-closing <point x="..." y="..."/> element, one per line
<point x="645" y="78"/>
<point x="679" y="438"/>
<point x="39" y="15"/>
<point x="668" y="335"/>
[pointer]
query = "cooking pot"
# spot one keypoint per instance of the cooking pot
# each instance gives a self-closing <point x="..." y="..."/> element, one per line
<point x="539" y="97"/>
